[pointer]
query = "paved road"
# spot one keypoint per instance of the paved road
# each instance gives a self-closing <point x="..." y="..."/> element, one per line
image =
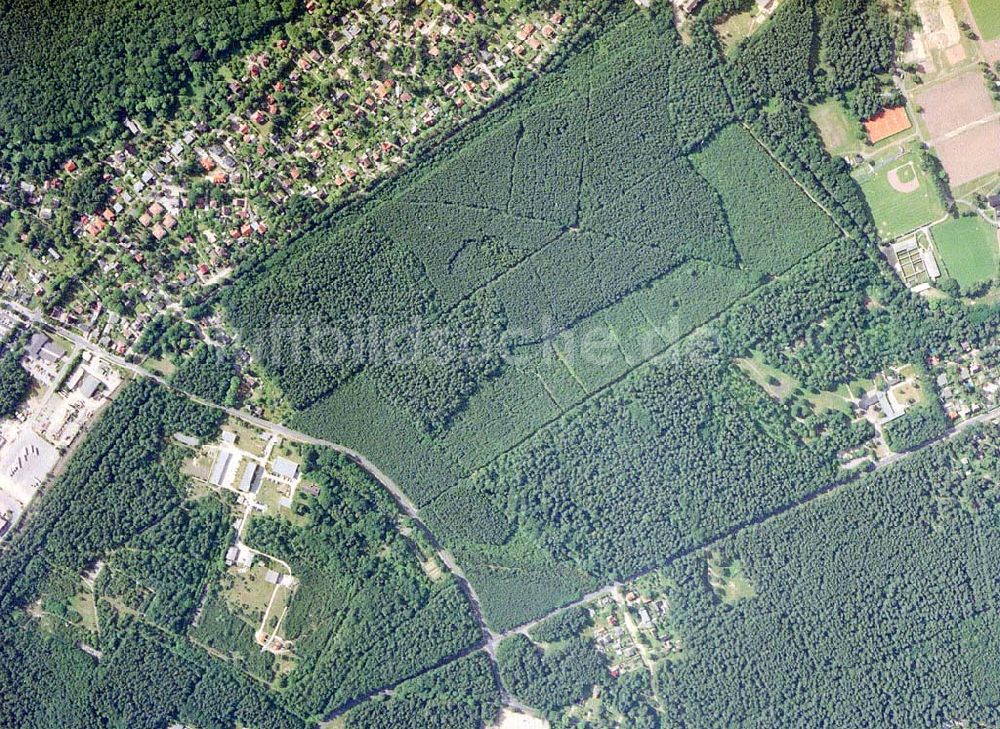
<point x="399" y="496"/>
<point x="491" y="639"/>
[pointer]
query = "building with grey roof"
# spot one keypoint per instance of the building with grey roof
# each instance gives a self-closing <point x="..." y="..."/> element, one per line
<point x="284" y="467"/>
<point x="251" y="478"/>
<point x="89" y="385"/>
<point x="219" y="468"/>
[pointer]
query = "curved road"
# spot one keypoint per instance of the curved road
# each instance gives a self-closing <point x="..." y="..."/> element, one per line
<point x="399" y="496"/>
<point x="491" y="639"/>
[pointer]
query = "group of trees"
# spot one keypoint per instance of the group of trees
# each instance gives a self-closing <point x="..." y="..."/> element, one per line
<point x="563" y="625"/>
<point x="773" y="223"/>
<point x="873" y="607"/>
<point x="920" y="424"/>
<point x="173" y="561"/>
<point x="777" y="60"/>
<point x="553" y="679"/>
<point x="650" y="469"/>
<point x="15" y="382"/>
<point x="122" y="499"/>
<point x="857" y="40"/>
<point x="461" y="695"/>
<point x="871" y="96"/>
<point x="819" y="325"/>
<point x="365" y="615"/>
<point x="790" y="134"/>
<point x="210" y="373"/>
<point x="232" y="635"/>
<point x="121" y="482"/>
<point x="166" y="336"/>
<point x="75" y="72"/>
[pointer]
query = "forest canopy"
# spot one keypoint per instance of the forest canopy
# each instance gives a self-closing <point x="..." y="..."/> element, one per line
<point x="101" y="60"/>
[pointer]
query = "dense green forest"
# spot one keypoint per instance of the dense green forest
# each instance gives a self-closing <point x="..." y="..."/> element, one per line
<point x="209" y="373"/>
<point x="535" y="333"/>
<point x="562" y="626"/>
<point x="121" y="482"/>
<point x="365" y="615"/>
<point x="15" y="382"/>
<point x="874" y="607"/>
<point x="920" y="424"/>
<point x="585" y="295"/>
<point x="551" y="679"/>
<point x="77" y="69"/>
<point x="461" y="695"/>
<point x="121" y="499"/>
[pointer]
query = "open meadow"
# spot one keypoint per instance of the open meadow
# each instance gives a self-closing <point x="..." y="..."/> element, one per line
<point x="969" y="249"/>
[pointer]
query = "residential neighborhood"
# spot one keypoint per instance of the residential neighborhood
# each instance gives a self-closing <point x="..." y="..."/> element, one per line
<point x="322" y="118"/>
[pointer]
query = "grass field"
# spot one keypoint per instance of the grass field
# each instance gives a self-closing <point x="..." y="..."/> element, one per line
<point x="735" y="29"/>
<point x="897" y="212"/>
<point x="825" y="400"/>
<point x="778" y="384"/>
<point x="968" y="249"/>
<point x="838" y="131"/>
<point x="987" y="15"/>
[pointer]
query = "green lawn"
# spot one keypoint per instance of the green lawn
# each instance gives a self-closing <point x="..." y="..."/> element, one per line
<point x="776" y="383"/>
<point x="987" y="15"/>
<point x="735" y="29"/>
<point x="837" y="129"/>
<point x="968" y="249"/>
<point x="898" y="212"/>
<point x="825" y="400"/>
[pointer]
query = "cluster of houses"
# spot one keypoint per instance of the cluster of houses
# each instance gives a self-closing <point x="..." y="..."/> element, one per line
<point x="383" y="78"/>
<point x="969" y="383"/>
<point x="322" y="117"/>
<point x="616" y="642"/>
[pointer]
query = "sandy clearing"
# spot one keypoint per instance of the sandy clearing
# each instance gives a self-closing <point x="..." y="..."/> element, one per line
<point x="510" y="719"/>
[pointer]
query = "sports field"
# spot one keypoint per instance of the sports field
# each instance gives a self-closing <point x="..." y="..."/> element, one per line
<point x="968" y="248"/>
<point x="987" y="15"/>
<point x="900" y="196"/>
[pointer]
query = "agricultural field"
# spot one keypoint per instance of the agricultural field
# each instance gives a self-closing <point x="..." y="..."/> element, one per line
<point x="969" y="249"/>
<point x="900" y="193"/>
<point x="958" y="115"/>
